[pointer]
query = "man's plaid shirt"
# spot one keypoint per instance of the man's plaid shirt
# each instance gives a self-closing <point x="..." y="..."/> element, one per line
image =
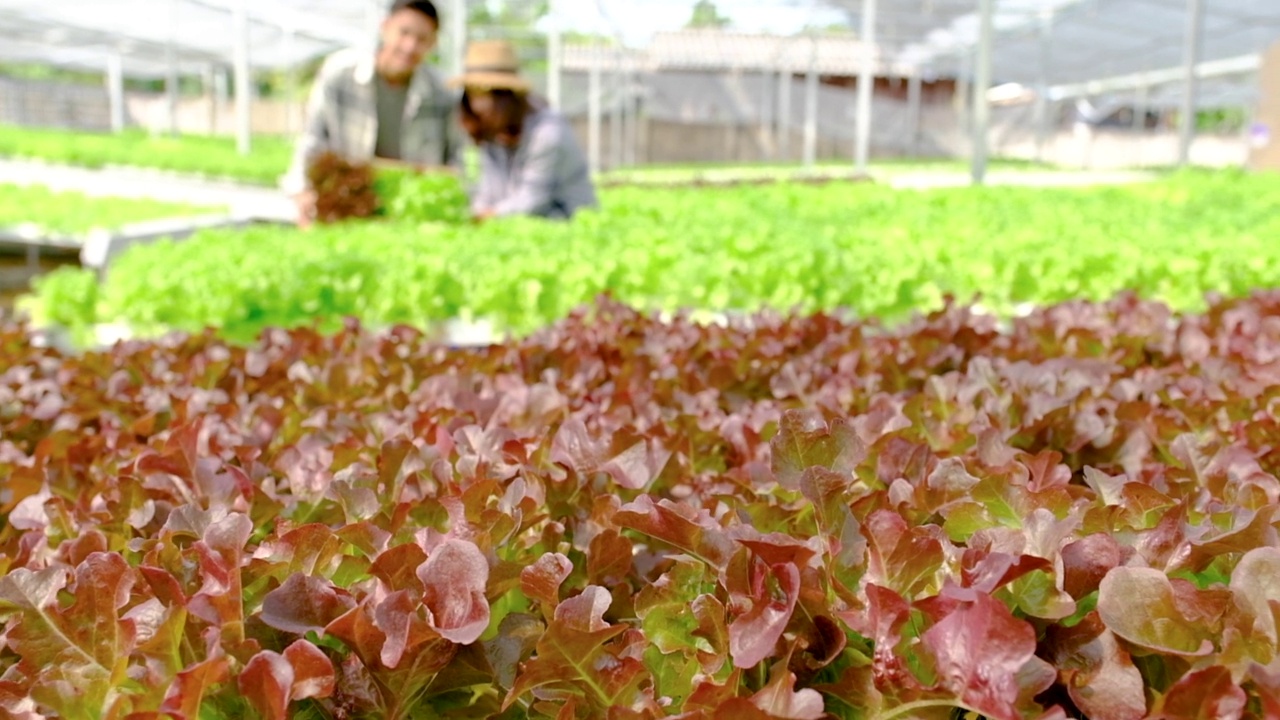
<point x="342" y="116"/>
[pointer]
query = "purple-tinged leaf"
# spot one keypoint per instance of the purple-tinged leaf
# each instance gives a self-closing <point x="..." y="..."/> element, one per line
<point x="304" y="604"/>
<point x="1256" y="584"/>
<point x="454" y="578"/>
<point x="397" y="617"/>
<point x="22" y="589"/>
<point x="1266" y="683"/>
<point x="1099" y="674"/>
<point x="628" y="459"/>
<point x="1208" y="694"/>
<point x="584" y="612"/>
<point x="1109" y="490"/>
<point x="309" y="549"/>
<point x="882" y="622"/>
<point x="1141" y="606"/>
<point x="609" y="558"/>
<point x="780" y="699"/>
<point x="103" y="582"/>
<point x="517" y="636"/>
<point x="712" y="629"/>
<point x="228" y="534"/>
<point x="541" y="581"/>
<point x="1086" y="561"/>
<point x="680" y="525"/>
<point x="313" y="675"/>
<point x="804" y="440"/>
<point x="306" y="466"/>
<point x="985" y="572"/>
<point x="357" y="630"/>
<point x="397" y="567"/>
<point x="900" y="557"/>
<point x="267" y="682"/>
<point x="186" y="695"/>
<point x="574" y="654"/>
<point x="1251" y="529"/>
<point x="164" y="585"/>
<point x="986" y="658"/>
<point x="762" y="598"/>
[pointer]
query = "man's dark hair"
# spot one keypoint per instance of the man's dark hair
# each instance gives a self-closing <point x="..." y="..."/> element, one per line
<point x="426" y="7"/>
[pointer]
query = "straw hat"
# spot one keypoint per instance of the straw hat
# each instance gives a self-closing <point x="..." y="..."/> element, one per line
<point x="492" y="65"/>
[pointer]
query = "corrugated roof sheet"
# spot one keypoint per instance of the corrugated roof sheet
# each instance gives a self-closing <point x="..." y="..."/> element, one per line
<point x="723" y="50"/>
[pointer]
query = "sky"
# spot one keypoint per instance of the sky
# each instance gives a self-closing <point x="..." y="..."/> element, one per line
<point x="637" y="20"/>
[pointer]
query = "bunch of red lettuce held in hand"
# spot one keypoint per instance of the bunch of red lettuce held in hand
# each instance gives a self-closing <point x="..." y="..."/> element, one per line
<point x="793" y="517"/>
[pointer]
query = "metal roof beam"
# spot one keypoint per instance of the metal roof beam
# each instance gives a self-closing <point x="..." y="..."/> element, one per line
<point x="1209" y="69"/>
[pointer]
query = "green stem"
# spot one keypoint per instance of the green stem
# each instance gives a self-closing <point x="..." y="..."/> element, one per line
<point x="761" y="678"/>
<point x="920" y="705"/>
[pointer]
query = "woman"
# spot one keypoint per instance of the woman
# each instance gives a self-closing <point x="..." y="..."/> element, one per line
<point x="530" y="162"/>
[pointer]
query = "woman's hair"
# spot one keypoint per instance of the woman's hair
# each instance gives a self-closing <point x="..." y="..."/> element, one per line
<point x="510" y="108"/>
<point x="468" y="118"/>
<point x="464" y="106"/>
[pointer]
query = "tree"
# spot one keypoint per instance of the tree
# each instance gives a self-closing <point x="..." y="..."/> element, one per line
<point x="833" y="29"/>
<point x="705" y="15"/>
<point x="514" y="21"/>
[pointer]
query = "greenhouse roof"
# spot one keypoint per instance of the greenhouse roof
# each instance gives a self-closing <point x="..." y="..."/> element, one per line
<point x="1073" y="44"/>
<point x="142" y="32"/>
<point x="1094" y="47"/>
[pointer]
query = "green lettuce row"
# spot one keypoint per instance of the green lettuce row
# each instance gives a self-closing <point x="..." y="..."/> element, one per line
<point x="73" y="213"/>
<point x="860" y="247"/>
<point x="197" y="154"/>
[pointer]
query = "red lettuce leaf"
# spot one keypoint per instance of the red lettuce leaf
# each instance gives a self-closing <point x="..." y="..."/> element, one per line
<point x="454" y="577"/>
<point x="304" y="604"/>
<point x="986" y="658"/>
<point x="1143" y="607"/>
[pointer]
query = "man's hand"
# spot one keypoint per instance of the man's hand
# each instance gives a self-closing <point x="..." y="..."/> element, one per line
<point x="306" y="204"/>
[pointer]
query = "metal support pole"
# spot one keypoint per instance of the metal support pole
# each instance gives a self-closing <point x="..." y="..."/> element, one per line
<point x="244" y="83"/>
<point x="115" y="90"/>
<point x="866" y="81"/>
<point x="555" y="52"/>
<point x="811" y="107"/>
<point x="374" y="14"/>
<point x="1141" y="101"/>
<point x="171" y="71"/>
<point x="784" y="113"/>
<point x="1194" y="43"/>
<point x="615" y="111"/>
<point x="960" y="103"/>
<point x="1041" y="109"/>
<point x="629" y="112"/>
<point x="593" y="110"/>
<point x="914" y="93"/>
<point x="211" y="99"/>
<point x="1040" y="118"/>
<point x="221" y="95"/>
<point x="458" y="41"/>
<point x="767" y="140"/>
<point x="981" y="83"/>
<point x="291" y="121"/>
<point x="642" y="148"/>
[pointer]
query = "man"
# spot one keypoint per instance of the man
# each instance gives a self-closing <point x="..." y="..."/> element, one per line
<point x="530" y="162"/>
<point x="387" y="105"/>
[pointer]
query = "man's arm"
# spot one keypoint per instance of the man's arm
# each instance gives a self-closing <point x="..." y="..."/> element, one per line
<point x="314" y="137"/>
